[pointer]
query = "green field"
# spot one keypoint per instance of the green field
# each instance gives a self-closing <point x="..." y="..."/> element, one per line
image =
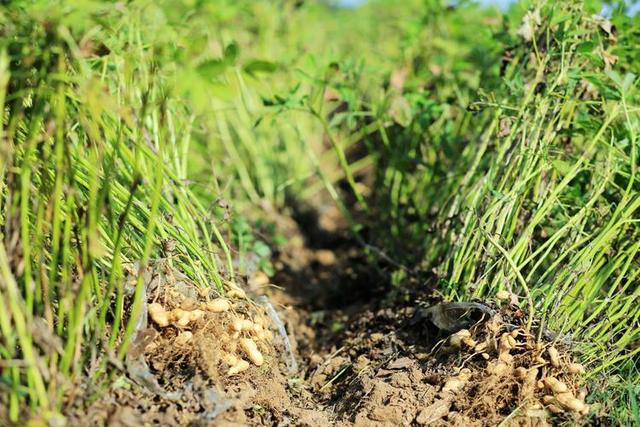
<point x="464" y="149"/>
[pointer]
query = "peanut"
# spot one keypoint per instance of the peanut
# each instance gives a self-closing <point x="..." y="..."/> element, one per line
<point x="251" y="350"/>
<point x="554" y="356"/>
<point x="158" y="314"/>
<point x="241" y="366"/>
<point x="218" y="305"/>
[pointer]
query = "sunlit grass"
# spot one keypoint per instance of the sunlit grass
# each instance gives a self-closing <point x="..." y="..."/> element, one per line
<point x="492" y="161"/>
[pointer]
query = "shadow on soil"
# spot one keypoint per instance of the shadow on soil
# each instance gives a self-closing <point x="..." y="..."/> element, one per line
<point x="363" y="348"/>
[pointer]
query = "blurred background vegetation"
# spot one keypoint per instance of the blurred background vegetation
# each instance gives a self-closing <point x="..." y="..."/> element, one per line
<point x="486" y="150"/>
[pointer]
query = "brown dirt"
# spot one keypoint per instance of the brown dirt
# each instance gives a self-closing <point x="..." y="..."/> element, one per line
<point x="368" y="354"/>
<point x="370" y="358"/>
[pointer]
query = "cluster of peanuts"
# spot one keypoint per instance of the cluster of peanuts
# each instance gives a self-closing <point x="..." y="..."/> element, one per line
<point x="243" y="332"/>
<point x="176" y="317"/>
<point x="535" y="380"/>
<point x="559" y="397"/>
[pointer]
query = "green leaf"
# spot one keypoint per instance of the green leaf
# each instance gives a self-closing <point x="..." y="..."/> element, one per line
<point x="561" y="166"/>
<point x="261" y="249"/>
<point x="629" y="78"/>
<point x="615" y="77"/>
<point x="586" y="47"/>
<point x="231" y="53"/>
<point x="211" y="68"/>
<point x="259" y="66"/>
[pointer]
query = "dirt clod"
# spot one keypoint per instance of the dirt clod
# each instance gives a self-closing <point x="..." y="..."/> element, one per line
<point x="434" y="412"/>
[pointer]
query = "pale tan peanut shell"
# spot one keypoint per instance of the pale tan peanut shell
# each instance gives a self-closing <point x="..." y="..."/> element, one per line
<point x="196" y="315"/>
<point x="236" y="293"/>
<point x="258" y="279"/>
<point x="251" y="350"/>
<point x="481" y="347"/>
<point x="180" y="317"/>
<point x="505" y="344"/>
<point x="548" y="399"/>
<point x="241" y="366"/>
<point x="158" y="314"/>
<point x="464" y="333"/>
<point x="455" y="340"/>
<point x="465" y="373"/>
<point x="176" y="314"/>
<point x="568" y="401"/>
<point x="532" y="374"/>
<point x="499" y="368"/>
<point x="237" y="325"/>
<point x="230" y="359"/>
<point x="469" y="342"/>
<point x="555" y="385"/>
<point x="555" y="409"/>
<point x="505" y="357"/>
<point x="265" y="335"/>
<point x="218" y="305"/>
<point x="247" y="325"/>
<point x="554" y="356"/>
<point x="453" y="385"/>
<point x="575" y="368"/>
<point x="521" y="373"/>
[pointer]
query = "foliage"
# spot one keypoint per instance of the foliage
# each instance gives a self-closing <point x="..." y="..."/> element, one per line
<point x="93" y="186"/>
<point x="496" y="151"/>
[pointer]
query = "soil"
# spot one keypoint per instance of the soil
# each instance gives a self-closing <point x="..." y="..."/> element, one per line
<point x="367" y="354"/>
